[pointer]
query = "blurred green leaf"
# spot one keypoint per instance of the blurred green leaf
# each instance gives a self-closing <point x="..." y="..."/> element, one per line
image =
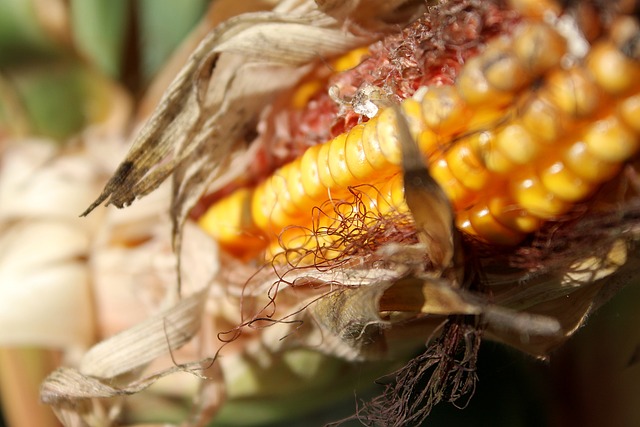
<point x="100" y="31"/>
<point x="21" y="37"/>
<point x="163" y="25"/>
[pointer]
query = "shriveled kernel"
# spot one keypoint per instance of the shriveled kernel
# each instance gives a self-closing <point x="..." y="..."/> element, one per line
<point x="538" y="47"/>
<point x="474" y="88"/>
<point x="388" y="137"/>
<point x="338" y="163"/>
<point x="444" y="111"/>
<point x="504" y="71"/>
<point x="562" y="182"/>
<point x="355" y="156"/>
<point x="610" y="140"/>
<point x="573" y="91"/>
<point x="612" y="70"/>
<point x="310" y="175"/>
<point x="490" y="229"/>
<point x="484" y="146"/>
<point x="542" y="119"/>
<point x="466" y="166"/>
<point x="516" y="143"/>
<point x="537" y="200"/>
<point x="511" y="215"/>
<point x="586" y="165"/>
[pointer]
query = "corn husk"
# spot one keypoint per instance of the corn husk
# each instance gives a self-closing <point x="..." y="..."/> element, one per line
<point x="196" y="136"/>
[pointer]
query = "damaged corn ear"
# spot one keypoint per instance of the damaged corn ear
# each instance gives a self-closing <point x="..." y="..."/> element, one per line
<point x="508" y="153"/>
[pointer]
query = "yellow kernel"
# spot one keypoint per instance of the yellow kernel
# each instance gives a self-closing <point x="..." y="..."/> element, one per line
<point x="372" y="149"/>
<point x="230" y="221"/>
<point x="562" y="182"/>
<point x="536" y="8"/>
<point x="457" y="193"/>
<point x="516" y="143"/>
<point x="466" y="167"/>
<point x="263" y="204"/>
<point x="573" y="91"/>
<point x="295" y="187"/>
<point x="310" y="175"/>
<point x="443" y="111"/>
<point x="355" y="155"/>
<point x="486" y="118"/>
<point x="464" y="224"/>
<point x="483" y="144"/>
<point x="511" y="215"/>
<point x="504" y="71"/>
<point x="474" y="88"/>
<point x="629" y="111"/>
<point x="413" y="114"/>
<point x="542" y="119"/>
<point x="429" y="143"/>
<point x="323" y="166"/>
<point x="488" y="228"/>
<point x="538" y="47"/>
<point x="278" y="182"/>
<point x="390" y="196"/>
<point x="338" y="162"/>
<point x="304" y="93"/>
<point x="610" y="140"/>
<point x="388" y="136"/>
<point x="612" y="70"/>
<point x="537" y="200"/>
<point x="350" y="59"/>
<point x="586" y="165"/>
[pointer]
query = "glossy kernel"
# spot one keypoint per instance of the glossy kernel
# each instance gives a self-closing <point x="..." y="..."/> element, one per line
<point x="586" y="165"/>
<point x="562" y="182"/>
<point x="355" y="156"/>
<point x="610" y="140"/>
<point x="516" y="143"/>
<point x="537" y="200"/>
<point x="338" y="166"/>
<point x="490" y="229"/>
<point x="388" y="137"/>
<point x="510" y="214"/>
<point x="372" y="148"/>
<point x="310" y="175"/>
<point x="612" y="70"/>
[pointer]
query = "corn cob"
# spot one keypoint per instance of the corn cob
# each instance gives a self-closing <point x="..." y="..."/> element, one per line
<point x="509" y="154"/>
